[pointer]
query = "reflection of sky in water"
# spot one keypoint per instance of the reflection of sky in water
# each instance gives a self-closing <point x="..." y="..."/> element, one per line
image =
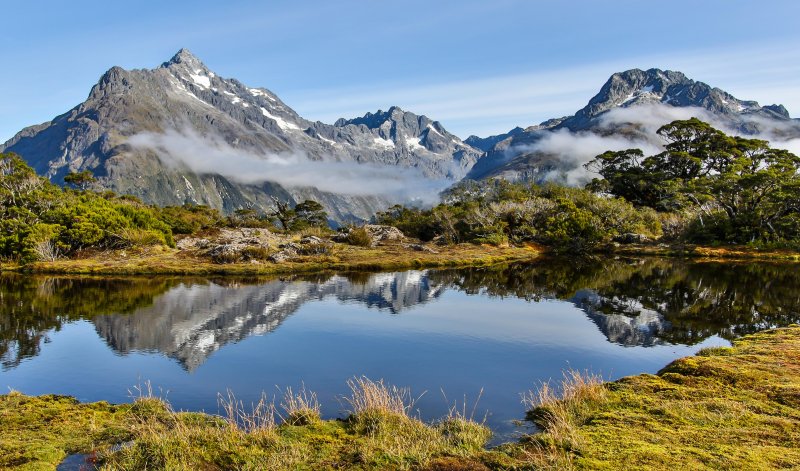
<point x="414" y="334"/>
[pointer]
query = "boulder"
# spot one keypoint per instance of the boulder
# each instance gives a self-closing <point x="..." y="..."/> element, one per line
<point x="421" y="248"/>
<point x="380" y="233"/>
<point x="283" y="256"/>
<point x="631" y="238"/>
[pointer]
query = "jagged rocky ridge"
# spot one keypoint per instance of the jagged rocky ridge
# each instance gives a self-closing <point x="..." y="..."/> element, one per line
<point x="514" y="155"/>
<point x="183" y="95"/>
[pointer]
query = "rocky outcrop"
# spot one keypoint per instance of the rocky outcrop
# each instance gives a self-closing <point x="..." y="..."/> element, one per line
<point x="375" y="232"/>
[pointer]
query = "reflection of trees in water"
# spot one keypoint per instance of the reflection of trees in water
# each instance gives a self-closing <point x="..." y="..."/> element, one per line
<point x="633" y="301"/>
<point x="678" y="301"/>
<point x="183" y="318"/>
<point x="31" y="306"/>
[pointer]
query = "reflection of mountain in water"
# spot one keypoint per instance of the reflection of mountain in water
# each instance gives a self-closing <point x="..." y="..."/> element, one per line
<point x="633" y="302"/>
<point x="190" y="322"/>
<point x="651" y="301"/>
<point x="630" y="324"/>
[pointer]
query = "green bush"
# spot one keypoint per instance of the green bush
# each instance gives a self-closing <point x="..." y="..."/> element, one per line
<point x="499" y="212"/>
<point x="360" y="237"/>
<point x="37" y="215"/>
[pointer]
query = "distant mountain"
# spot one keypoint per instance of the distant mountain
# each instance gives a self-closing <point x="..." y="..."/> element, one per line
<point x="133" y="122"/>
<point x="183" y="96"/>
<point x="517" y="156"/>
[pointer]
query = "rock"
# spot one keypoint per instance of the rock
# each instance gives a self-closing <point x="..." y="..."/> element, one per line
<point x="631" y="238"/>
<point x="290" y="246"/>
<point x="376" y="232"/>
<point x="225" y="253"/>
<point x="421" y="248"/>
<point x="341" y="237"/>
<point x="282" y="256"/>
<point x="311" y="240"/>
<point x="381" y="233"/>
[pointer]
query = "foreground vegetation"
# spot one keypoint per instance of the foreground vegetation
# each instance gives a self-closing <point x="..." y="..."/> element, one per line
<point x="726" y="408"/>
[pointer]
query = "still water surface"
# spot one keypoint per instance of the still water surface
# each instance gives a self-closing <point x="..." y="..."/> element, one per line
<point x="448" y="334"/>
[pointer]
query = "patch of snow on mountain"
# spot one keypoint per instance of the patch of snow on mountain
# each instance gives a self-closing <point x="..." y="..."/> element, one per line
<point x="257" y="93"/>
<point x="282" y="123"/>
<point x="430" y="126"/>
<point x="381" y="142"/>
<point x="329" y="141"/>
<point x="413" y="143"/>
<point x="201" y="80"/>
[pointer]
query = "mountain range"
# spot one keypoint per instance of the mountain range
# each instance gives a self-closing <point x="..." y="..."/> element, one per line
<point x="180" y="133"/>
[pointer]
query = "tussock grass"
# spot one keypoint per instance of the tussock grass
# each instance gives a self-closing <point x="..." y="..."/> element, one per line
<point x="560" y="410"/>
<point x="259" y="418"/>
<point x="359" y="236"/>
<point x="460" y="427"/>
<point x="368" y="396"/>
<point x="301" y="407"/>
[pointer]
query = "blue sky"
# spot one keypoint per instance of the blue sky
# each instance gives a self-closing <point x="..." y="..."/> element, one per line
<point x="478" y="67"/>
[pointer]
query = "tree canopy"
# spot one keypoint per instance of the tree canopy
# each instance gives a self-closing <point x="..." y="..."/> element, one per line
<point x="741" y="189"/>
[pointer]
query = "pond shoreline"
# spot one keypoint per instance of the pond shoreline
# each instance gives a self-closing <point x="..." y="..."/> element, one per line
<point x="164" y="261"/>
<point x="685" y="414"/>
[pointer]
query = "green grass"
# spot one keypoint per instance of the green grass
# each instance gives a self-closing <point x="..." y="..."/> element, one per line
<point x="726" y="408"/>
<point x="38" y="432"/>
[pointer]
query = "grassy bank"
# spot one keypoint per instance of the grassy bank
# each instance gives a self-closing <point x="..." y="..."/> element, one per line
<point x="159" y="260"/>
<point x="729" y="252"/>
<point x="726" y="408"/>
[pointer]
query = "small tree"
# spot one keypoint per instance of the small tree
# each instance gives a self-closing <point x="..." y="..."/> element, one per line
<point x="81" y="180"/>
<point x="283" y="212"/>
<point x="309" y="213"/>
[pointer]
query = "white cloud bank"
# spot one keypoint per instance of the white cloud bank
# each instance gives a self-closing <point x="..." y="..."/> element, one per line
<point x="578" y="148"/>
<point x="212" y="155"/>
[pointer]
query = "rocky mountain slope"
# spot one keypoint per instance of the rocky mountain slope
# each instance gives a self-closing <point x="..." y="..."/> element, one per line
<point x="631" y="104"/>
<point x="144" y="132"/>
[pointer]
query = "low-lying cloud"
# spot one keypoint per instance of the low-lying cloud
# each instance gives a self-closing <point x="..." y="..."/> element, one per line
<point x="578" y="148"/>
<point x="213" y="155"/>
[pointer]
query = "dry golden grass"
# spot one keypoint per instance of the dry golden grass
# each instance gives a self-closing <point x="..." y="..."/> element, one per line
<point x="560" y="411"/>
<point x="368" y="396"/>
<point x="301" y="407"/>
<point x="342" y="257"/>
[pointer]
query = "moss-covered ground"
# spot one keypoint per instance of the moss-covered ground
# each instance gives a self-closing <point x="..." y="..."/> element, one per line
<point x="726" y="408"/>
<point x="163" y="260"/>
